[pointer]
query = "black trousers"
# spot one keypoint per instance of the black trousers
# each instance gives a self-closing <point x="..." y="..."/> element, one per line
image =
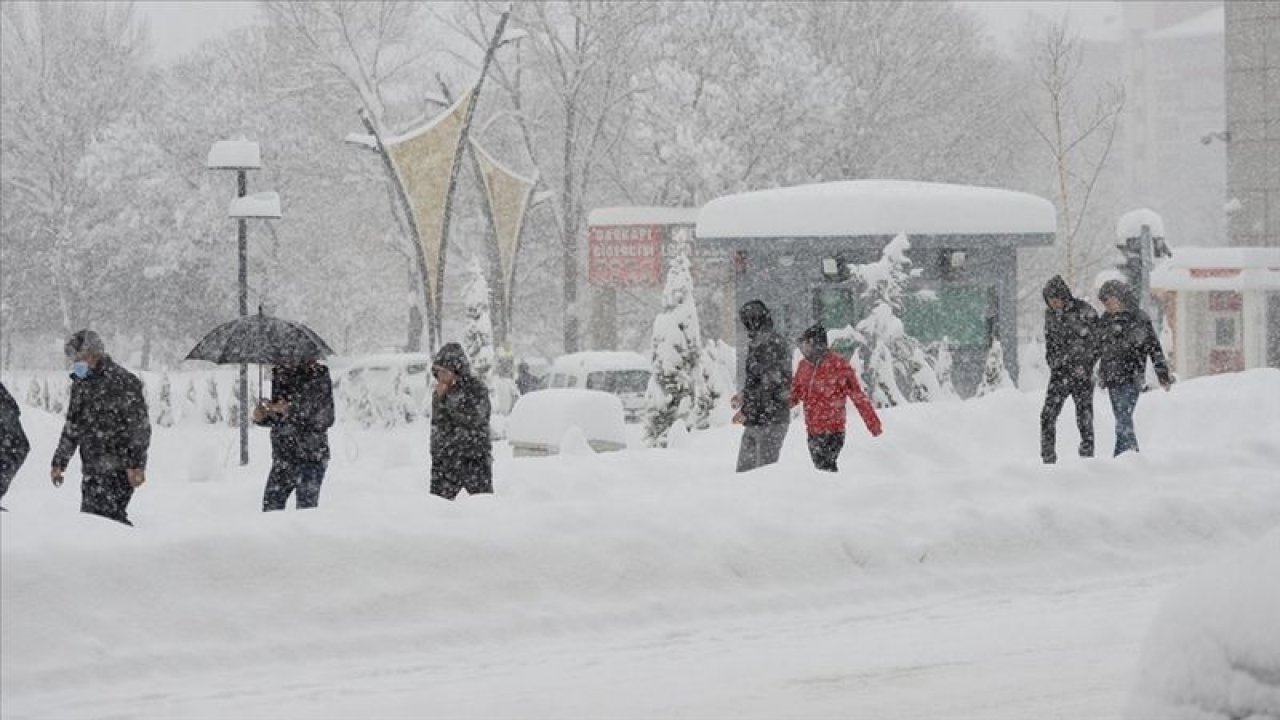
<point x="824" y="449"/>
<point x="449" y="476"/>
<point x="106" y="494"/>
<point x="1081" y="393"/>
<point x="293" y="476"/>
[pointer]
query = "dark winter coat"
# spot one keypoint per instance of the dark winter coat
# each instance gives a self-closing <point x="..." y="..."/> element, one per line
<point x="1070" y="335"/>
<point x="301" y="433"/>
<point x="13" y="441"/>
<point x="460" y="441"/>
<point x="766" y="389"/>
<point x="1127" y="339"/>
<point x="107" y="421"/>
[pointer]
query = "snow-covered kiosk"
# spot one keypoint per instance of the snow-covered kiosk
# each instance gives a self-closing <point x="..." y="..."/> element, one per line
<point x="791" y="248"/>
<point x="1223" y="308"/>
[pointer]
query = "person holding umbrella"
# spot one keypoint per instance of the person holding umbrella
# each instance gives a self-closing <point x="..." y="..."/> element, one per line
<point x="299" y="414"/>
<point x="107" y="422"/>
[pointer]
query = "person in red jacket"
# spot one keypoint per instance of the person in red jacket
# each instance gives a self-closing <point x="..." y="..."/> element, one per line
<point x="822" y="382"/>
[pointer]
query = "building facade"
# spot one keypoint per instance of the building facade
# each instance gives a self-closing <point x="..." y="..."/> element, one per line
<point x="1253" y="123"/>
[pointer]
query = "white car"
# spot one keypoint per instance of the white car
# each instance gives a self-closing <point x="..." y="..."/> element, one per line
<point x="624" y="374"/>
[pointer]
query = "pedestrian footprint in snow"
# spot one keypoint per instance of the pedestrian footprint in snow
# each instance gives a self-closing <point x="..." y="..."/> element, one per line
<point x="1127" y="339"/>
<point x="461" y="450"/>
<point x="822" y="382"/>
<point x="764" y="404"/>
<point x="1071" y="351"/>
<point x="107" y="422"/>
<point x="299" y="414"/>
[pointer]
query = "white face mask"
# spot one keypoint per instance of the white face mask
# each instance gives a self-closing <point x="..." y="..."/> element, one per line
<point x="80" y="369"/>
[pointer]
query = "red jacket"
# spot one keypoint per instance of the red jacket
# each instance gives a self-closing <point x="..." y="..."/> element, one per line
<point x="823" y="390"/>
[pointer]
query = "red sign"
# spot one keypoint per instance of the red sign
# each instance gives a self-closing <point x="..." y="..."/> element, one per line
<point x="624" y="255"/>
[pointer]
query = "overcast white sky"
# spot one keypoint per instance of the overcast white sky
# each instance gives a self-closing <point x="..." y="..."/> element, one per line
<point x="177" y="25"/>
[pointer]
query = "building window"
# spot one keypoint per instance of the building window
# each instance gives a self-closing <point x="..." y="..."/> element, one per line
<point x="1224" y="332"/>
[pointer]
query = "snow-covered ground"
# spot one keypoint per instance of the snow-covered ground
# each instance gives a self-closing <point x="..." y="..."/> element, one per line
<point x="943" y="573"/>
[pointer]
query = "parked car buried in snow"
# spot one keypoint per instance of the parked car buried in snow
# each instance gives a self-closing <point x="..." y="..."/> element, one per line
<point x="623" y="374"/>
<point x="549" y="422"/>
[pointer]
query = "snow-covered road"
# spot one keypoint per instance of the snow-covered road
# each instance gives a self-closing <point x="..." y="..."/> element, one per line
<point x="1064" y="652"/>
<point x="943" y="573"/>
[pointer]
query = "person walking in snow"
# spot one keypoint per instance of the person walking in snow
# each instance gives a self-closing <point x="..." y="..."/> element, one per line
<point x="300" y="414"/>
<point x="822" y="382"/>
<point x="763" y="404"/>
<point x="1126" y="339"/>
<point x="107" y="422"/>
<point x="461" y="451"/>
<point x="1071" y="351"/>
<point x="13" y="441"/>
<point x="526" y="382"/>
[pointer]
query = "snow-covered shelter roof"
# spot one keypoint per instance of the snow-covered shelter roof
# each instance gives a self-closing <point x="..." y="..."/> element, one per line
<point x="613" y="216"/>
<point x="238" y="154"/>
<point x="1205" y="269"/>
<point x="854" y="208"/>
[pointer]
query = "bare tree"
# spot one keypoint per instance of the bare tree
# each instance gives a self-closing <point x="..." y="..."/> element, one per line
<point x="571" y="100"/>
<point x="68" y="72"/>
<point x="370" y="49"/>
<point x="1079" y="142"/>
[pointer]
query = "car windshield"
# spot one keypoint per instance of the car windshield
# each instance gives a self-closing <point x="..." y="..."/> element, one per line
<point x="618" y="381"/>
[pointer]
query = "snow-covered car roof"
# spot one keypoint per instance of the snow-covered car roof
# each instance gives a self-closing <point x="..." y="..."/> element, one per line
<point x="855" y="208"/>
<point x="602" y="360"/>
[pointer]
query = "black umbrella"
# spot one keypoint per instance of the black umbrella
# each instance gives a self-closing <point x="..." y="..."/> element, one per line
<point x="260" y="339"/>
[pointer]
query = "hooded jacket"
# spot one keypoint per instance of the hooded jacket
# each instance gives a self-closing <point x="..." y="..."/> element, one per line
<point x="1126" y="340"/>
<point x="1070" y="335"/>
<point x="460" y="417"/>
<point x="822" y="383"/>
<point x="106" y="421"/>
<point x="301" y="434"/>
<point x="766" y="386"/>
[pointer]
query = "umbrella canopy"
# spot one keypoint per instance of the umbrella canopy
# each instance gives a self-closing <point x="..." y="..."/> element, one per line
<point x="260" y="339"/>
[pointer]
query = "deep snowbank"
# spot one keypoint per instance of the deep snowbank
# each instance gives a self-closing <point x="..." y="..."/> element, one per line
<point x="1213" y="652"/>
<point x="951" y="499"/>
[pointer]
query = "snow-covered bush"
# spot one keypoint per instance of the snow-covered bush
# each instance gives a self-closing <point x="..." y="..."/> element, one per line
<point x="995" y="376"/>
<point x="1213" y="651"/>
<point x="677" y="386"/>
<point x="163" y="404"/>
<point x="212" y="406"/>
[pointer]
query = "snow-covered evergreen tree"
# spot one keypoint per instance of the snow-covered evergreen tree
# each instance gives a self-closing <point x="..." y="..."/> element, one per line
<point x="676" y="386"/>
<point x="994" y="374"/>
<point x="942" y="364"/>
<point x="477" y="339"/>
<point x="897" y="369"/>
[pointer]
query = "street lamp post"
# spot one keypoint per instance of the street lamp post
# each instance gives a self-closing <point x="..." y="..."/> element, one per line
<point x="243" y="155"/>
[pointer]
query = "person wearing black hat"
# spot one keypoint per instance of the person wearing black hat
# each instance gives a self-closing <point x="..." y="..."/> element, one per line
<point x="107" y="422"/>
<point x="764" y="404"/>
<point x="461" y="450"/>
<point x="13" y="441"/>
<point x="1127" y="339"/>
<point x="823" y="382"/>
<point x="1071" y="351"/>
